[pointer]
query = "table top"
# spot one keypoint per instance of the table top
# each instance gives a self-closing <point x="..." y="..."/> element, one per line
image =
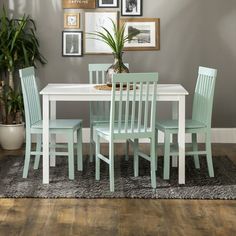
<point x="88" y="89"/>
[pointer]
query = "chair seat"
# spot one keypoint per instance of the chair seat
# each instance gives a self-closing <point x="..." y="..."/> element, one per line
<point x="173" y="124"/>
<point x="59" y="124"/>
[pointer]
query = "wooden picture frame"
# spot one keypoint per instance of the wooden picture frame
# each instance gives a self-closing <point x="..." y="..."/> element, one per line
<point x="79" y="4"/>
<point x="72" y="45"/>
<point x="149" y="37"/>
<point x="131" y="7"/>
<point x="93" y="22"/>
<point x="71" y="20"/>
<point x="108" y="3"/>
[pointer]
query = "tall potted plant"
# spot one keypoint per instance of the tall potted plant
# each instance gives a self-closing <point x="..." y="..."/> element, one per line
<point x="19" y="47"/>
<point x="116" y="41"/>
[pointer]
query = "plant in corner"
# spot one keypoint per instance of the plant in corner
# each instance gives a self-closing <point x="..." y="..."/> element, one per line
<point x="19" y="47"/>
<point x="116" y="41"/>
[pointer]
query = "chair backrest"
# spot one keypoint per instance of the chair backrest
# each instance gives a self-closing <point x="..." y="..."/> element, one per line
<point x="97" y="73"/>
<point x="139" y="98"/>
<point x="30" y="96"/>
<point x="203" y="96"/>
<point x="99" y="111"/>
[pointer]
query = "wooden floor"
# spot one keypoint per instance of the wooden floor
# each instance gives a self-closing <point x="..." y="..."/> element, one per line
<point x="119" y="216"/>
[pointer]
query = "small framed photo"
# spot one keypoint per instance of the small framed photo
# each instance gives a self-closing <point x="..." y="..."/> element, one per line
<point x="72" y="43"/>
<point x="71" y="20"/>
<point x="108" y="3"/>
<point x="131" y="7"/>
<point x="148" y="33"/>
<point x="94" y="21"/>
<point x="79" y="4"/>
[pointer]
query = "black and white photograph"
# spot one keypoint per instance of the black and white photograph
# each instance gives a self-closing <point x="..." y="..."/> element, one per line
<point x="72" y="43"/>
<point x="146" y="31"/>
<point x="108" y="3"/>
<point x="131" y="7"/>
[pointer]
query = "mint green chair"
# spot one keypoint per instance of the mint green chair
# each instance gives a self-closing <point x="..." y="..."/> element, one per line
<point x="200" y="122"/>
<point x="138" y="123"/>
<point x="99" y="111"/>
<point x="33" y="119"/>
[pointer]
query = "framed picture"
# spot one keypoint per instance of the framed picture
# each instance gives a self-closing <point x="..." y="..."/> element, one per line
<point x="94" y="21"/>
<point x="71" y="20"/>
<point x="131" y="7"/>
<point x="148" y="37"/>
<point x="108" y="3"/>
<point x="81" y="4"/>
<point x="72" y="43"/>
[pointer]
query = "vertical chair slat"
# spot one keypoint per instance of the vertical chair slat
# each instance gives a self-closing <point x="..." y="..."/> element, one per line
<point x="103" y="77"/>
<point x="120" y="107"/>
<point x="133" y="108"/>
<point x="97" y="77"/>
<point x="127" y="106"/>
<point x="146" y="107"/>
<point x="140" y="103"/>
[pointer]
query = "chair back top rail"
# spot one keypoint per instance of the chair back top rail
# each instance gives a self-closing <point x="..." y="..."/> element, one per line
<point x="30" y="96"/>
<point x="203" y="96"/>
<point x="133" y="109"/>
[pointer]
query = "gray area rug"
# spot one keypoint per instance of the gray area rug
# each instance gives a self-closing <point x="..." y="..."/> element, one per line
<point x="198" y="184"/>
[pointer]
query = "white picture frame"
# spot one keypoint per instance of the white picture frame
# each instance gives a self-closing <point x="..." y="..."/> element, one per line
<point x="94" y="22"/>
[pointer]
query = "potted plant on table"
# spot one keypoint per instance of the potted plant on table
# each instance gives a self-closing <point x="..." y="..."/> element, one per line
<point x="19" y="47"/>
<point x="116" y="41"/>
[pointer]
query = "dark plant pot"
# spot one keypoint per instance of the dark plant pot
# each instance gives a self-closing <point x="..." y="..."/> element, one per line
<point x="117" y="67"/>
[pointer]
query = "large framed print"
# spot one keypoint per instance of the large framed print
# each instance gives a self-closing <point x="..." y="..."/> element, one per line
<point x="131" y="7"/>
<point x="94" y="21"/>
<point x="72" y="43"/>
<point x="148" y="37"/>
<point x="79" y="4"/>
<point x="108" y="3"/>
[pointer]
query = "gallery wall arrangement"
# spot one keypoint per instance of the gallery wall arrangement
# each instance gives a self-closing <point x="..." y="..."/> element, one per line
<point x="75" y="39"/>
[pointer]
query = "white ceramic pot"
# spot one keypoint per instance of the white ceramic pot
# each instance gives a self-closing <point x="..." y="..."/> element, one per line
<point x="12" y="136"/>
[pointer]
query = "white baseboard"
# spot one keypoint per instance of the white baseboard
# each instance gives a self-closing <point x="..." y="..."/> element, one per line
<point x="219" y="135"/>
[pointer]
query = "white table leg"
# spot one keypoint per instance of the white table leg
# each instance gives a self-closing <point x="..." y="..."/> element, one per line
<point x="175" y="117"/>
<point x="45" y="139"/>
<point x="53" y="136"/>
<point x="181" y="140"/>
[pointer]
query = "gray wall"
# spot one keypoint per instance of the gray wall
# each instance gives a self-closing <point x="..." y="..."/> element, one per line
<point x="193" y="33"/>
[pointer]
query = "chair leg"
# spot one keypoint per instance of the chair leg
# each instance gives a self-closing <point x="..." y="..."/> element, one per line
<point x="111" y="166"/>
<point x="91" y="145"/>
<point x="127" y="150"/>
<point x="79" y="150"/>
<point x="166" y="173"/>
<point x="209" y="155"/>
<point x="153" y="162"/>
<point x="195" y="149"/>
<point x="136" y="158"/>
<point x="97" y="159"/>
<point x="71" y="155"/>
<point x="27" y="155"/>
<point x="38" y="149"/>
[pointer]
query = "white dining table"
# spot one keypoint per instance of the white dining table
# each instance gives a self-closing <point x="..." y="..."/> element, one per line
<point x="86" y="92"/>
